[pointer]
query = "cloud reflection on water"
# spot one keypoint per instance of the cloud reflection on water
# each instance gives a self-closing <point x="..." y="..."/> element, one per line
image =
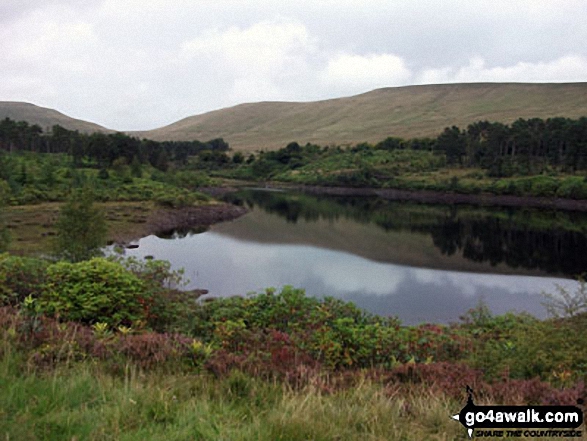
<point x="227" y="266"/>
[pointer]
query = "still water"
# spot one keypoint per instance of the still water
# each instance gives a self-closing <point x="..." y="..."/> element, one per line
<point x="418" y="262"/>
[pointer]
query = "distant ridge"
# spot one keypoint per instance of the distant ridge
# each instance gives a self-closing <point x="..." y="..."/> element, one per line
<point x="407" y="112"/>
<point x="411" y="111"/>
<point x="44" y="117"/>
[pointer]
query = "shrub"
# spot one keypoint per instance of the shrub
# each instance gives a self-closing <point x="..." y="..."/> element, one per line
<point x="573" y="188"/>
<point x="566" y="303"/>
<point x="20" y="277"/>
<point x="167" y="308"/>
<point x="81" y="228"/>
<point x="544" y="186"/>
<point x="93" y="291"/>
<point x="4" y="233"/>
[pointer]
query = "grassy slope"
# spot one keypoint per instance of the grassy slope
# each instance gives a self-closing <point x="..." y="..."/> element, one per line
<point x="86" y="402"/>
<point x="45" y="117"/>
<point x="413" y="111"/>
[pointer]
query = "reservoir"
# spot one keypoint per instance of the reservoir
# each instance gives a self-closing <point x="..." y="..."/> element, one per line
<point x="419" y="262"/>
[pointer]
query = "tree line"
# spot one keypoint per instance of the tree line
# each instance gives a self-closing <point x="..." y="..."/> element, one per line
<point x="523" y="147"/>
<point x="104" y="149"/>
<point x="526" y="147"/>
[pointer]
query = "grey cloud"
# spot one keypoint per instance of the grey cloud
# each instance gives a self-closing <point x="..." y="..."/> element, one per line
<point x="119" y="63"/>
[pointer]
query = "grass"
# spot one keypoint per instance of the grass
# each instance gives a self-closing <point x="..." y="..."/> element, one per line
<point x="422" y="170"/>
<point x="32" y="226"/>
<point x="408" y="112"/>
<point x="86" y="402"/>
<point x="45" y="117"/>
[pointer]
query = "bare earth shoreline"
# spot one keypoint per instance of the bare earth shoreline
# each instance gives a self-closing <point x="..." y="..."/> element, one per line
<point x="434" y="197"/>
<point x="165" y="220"/>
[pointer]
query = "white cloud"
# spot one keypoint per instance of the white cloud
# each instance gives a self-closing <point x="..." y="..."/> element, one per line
<point x="257" y="59"/>
<point x="344" y="272"/>
<point x="568" y="68"/>
<point x="37" y="38"/>
<point x="365" y="72"/>
<point x="139" y="64"/>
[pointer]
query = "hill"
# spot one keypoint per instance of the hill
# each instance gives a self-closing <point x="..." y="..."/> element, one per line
<point x="44" y="117"/>
<point x="407" y="112"/>
<point x="412" y="111"/>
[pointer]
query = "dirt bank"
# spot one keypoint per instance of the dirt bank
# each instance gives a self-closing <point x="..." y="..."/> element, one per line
<point x="164" y="220"/>
<point x="433" y="197"/>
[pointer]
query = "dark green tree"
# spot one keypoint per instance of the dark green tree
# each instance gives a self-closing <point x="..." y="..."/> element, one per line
<point x="238" y="158"/>
<point x="103" y="174"/>
<point x="81" y="228"/>
<point x="121" y="168"/>
<point x="4" y="233"/>
<point x="162" y="161"/>
<point x="136" y="169"/>
<point x="453" y="143"/>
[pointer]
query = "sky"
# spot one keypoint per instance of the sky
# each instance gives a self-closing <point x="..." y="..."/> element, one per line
<point x="143" y="64"/>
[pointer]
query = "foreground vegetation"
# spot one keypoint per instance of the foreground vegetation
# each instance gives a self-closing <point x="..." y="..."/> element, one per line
<point x="85" y="401"/>
<point x="110" y="349"/>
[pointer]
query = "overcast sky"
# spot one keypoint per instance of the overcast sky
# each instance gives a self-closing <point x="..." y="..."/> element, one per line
<point x="142" y="64"/>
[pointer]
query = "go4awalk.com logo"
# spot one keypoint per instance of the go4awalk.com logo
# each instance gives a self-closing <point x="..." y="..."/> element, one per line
<point x="520" y="421"/>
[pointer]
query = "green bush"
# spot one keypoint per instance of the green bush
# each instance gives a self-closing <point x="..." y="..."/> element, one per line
<point x="94" y="291"/>
<point x="544" y="186"/>
<point x="20" y="277"/>
<point x="331" y="331"/>
<point x="168" y="309"/>
<point x="573" y="188"/>
<point x="4" y="233"/>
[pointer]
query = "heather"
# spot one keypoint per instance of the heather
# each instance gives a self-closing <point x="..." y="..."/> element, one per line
<point x="116" y="350"/>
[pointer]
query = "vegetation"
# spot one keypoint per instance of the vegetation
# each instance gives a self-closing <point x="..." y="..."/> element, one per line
<point x="4" y="233"/>
<point x="407" y="112"/>
<point x="529" y="158"/>
<point x="81" y="228"/>
<point x="266" y="366"/>
<point x="566" y="303"/>
<point x="103" y="150"/>
<point x="86" y="401"/>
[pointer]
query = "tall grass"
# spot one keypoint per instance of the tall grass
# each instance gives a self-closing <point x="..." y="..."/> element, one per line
<point x="86" y="402"/>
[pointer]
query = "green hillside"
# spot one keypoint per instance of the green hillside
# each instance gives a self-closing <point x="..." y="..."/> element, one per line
<point x="44" y="117"/>
<point x="408" y="112"/>
<point x="413" y="111"/>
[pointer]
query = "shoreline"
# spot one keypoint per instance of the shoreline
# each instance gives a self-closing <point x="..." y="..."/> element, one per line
<point x="436" y="197"/>
<point x="161" y="221"/>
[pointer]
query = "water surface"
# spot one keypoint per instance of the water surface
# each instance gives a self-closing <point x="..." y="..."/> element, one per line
<point x="418" y="262"/>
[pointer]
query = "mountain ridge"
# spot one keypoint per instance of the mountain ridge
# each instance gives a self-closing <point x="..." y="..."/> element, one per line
<point x="406" y="111"/>
<point x="46" y="117"/>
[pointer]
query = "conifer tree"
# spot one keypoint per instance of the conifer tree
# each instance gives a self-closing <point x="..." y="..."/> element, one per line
<point x="4" y="233"/>
<point x="81" y="228"/>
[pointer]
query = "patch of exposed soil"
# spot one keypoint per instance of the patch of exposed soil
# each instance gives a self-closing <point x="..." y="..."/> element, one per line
<point x="163" y="220"/>
<point x="435" y="197"/>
